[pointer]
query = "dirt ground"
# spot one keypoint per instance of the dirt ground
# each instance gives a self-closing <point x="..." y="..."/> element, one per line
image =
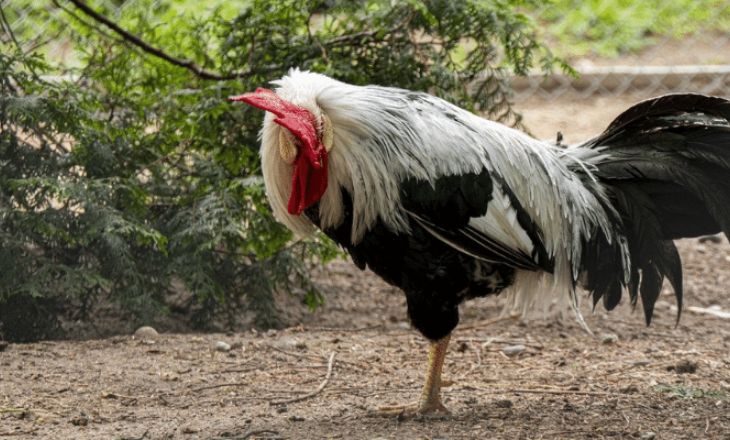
<point x="322" y="377"/>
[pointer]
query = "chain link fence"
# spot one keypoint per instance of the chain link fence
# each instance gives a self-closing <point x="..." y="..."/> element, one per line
<point x="616" y="47"/>
<point x="639" y="48"/>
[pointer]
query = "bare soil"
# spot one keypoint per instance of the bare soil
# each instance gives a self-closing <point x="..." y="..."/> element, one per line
<point x="666" y="381"/>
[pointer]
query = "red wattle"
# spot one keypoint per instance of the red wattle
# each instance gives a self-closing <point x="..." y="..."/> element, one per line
<point x="308" y="184"/>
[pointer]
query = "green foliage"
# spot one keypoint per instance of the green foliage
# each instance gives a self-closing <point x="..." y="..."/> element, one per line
<point x="687" y="392"/>
<point x="133" y="179"/>
<point x="611" y="27"/>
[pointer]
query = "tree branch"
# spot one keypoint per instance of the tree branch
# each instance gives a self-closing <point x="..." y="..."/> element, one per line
<point x="9" y="30"/>
<point x="159" y="53"/>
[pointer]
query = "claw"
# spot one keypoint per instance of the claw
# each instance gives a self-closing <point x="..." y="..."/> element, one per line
<point x="413" y="409"/>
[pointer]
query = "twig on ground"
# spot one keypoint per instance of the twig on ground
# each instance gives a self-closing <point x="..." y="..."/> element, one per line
<point x="143" y="436"/>
<point x="341" y="329"/>
<point x="315" y="358"/>
<point x="259" y="431"/>
<point x="296" y="355"/>
<point x="330" y="364"/>
<point x="120" y="396"/>
<point x="249" y="434"/>
<point x="496" y="390"/>
<point x="240" y="370"/>
<point x="538" y="391"/>
<point x="220" y="385"/>
<point x="487" y="341"/>
<point x="14" y="433"/>
<point x="11" y="409"/>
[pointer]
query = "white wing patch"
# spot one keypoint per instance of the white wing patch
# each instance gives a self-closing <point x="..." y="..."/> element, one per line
<point x="500" y="223"/>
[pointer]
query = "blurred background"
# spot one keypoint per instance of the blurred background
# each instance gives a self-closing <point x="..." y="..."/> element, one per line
<point x="616" y="47"/>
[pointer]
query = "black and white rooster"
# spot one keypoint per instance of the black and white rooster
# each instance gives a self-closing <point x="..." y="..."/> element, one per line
<point x="449" y="206"/>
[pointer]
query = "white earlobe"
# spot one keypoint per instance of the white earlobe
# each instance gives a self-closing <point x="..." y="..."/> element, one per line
<point x="328" y="134"/>
<point x="287" y="147"/>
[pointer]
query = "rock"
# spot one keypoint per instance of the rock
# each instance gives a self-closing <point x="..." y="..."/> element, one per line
<point x="717" y="239"/>
<point x="222" y="346"/>
<point x="513" y="350"/>
<point x="609" y="338"/>
<point x="504" y="403"/>
<point x="146" y="333"/>
<point x="189" y="430"/>
<point x="683" y="367"/>
<point x="630" y="389"/>
<point x="81" y="420"/>
<point x="648" y="435"/>
<point x="289" y="343"/>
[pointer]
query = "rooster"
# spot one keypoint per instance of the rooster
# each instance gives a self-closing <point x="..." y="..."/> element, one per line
<point x="449" y="206"/>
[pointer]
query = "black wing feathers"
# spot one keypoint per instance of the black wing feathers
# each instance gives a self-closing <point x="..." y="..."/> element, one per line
<point x="445" y="208"/>
<point x="451" y="201"/>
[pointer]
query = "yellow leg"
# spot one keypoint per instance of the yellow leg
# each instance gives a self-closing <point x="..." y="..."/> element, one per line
<point x="430" y="401"/>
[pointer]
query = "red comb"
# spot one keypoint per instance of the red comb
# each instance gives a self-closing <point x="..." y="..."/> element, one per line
<point x="298" y="120"/>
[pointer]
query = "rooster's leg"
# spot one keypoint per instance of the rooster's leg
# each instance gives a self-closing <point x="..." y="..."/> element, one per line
<point x="430" y="401"/>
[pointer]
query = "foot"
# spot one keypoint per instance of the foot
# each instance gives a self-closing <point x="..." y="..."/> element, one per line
<point x="430" y="401"/>
<point x="422" y="408"/>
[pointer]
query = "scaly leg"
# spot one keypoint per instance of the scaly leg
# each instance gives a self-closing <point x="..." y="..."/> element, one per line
<point x="430" y="401"/>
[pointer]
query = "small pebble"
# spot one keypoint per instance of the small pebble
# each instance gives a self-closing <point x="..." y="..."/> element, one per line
<point x="222" y="346"/>
<point x="609" y="338"/>
<point x="648" y="436"/>
<point x="146" y="333"/>
<point x="513" y="350"/>
<point x="630" y="389"/>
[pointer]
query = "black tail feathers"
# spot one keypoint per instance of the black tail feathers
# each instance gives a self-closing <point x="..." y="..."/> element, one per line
<point x="664" y="167"/>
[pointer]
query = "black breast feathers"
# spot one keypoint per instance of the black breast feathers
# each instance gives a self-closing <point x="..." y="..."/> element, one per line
<point x="442" y="260"/>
